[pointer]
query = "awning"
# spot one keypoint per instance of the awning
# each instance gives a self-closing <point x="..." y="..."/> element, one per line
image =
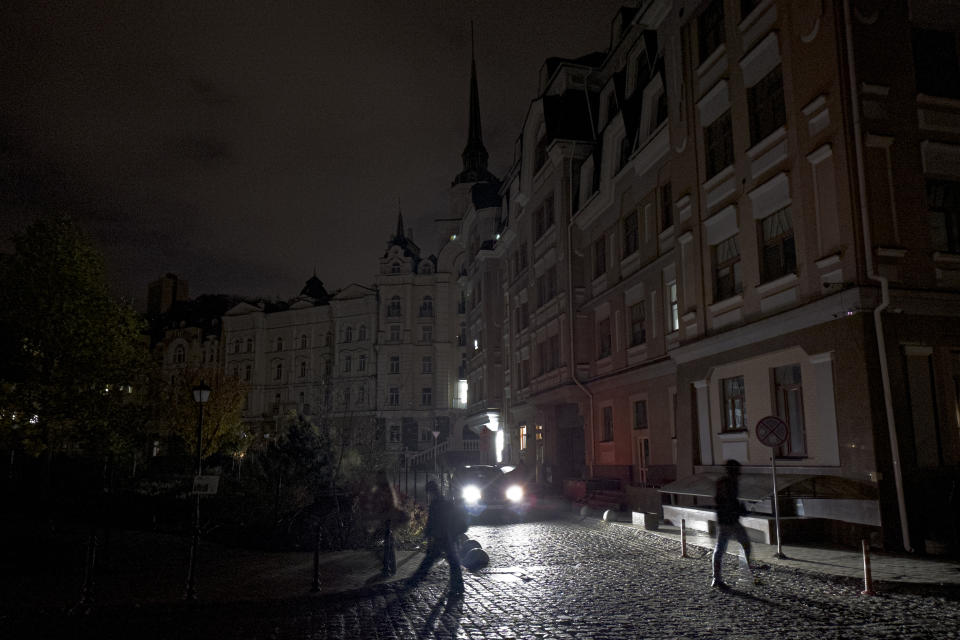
<point x="755" y="487"/>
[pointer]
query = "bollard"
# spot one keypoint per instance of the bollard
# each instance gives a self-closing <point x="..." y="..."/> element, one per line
<point x="683" y="538"/>
<point x="867" y="576"/>
<point x="316" y="561"/>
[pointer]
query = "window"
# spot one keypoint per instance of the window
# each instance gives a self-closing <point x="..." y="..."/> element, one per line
<point x="606" y="424"/>
<point x="393" y="396"/>
<point x="524" y="315"/>
<point x="303" y="341"/>
<point x="361" y="395"/>
<point x="778" y="253"/>
<point x="276" y="403"/>
<point x="348" y="334"/>
<point x="603" y="338"/>
<point x="279" y="344"/>
<point x="638" y="323"/>
<point x="710" y="33"/>
<point x="673" y="307"/>
<point x="395" y="433"/>
<point x="631" y="234"/>
<point x="462" y="303"/>
<point x="327" y="367"/>
<point x="426" y="334"/>
<point x="303" y="369"/>
<point x="426" y="307"/>
<point x="554" y="352"/>
<point x="540" y="151"/>
<point x="179" y="355"/>
<point x="523" y="437"/>
<point x="394" y="364"/>
<point x="246" y="373"/>
<point x="733" y="404"/>
<point x="249" y="345"/>
<point x="613" y="106"/>
<point x="362" y="362"/>
<point x="426" y="364"/>
<point x="789" y="390"/>
<point x="328" y="339"/>
<point x="640" y="414"/>
<point x="236" y="346"/>
<point x="300" y="400"/>
<point x="765" y="102"/>
<point x="543" y="218"/>
<point x="394" y="333"/>
<point x="524" y="257"/>
<point x="278" y="372"/>
<point x="347" y="363"/>
<point x="641" y="72"/>
<point x="935" y="63"/>
<point x="426" y="397"/>
<point x="746" y="6"/>
<point x="943" y="200"/>
<point x="727" y="281"/>
<point x="395" y="267"/>
<point x="718" y="144"/>
<point x="626" y="148"/>
<point x="236" y="372"/>
<point x="393" y="309"/>
<point x="547" y="286"/>
<point x="666" y="207"/>
<point x="362" y="333"/>
<point x="599" y="256"/>
<point x="346" y="398"/>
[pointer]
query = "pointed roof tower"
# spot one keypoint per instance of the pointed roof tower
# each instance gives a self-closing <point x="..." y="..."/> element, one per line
<point x="401" y="240"/>
<point x="474" y="155"/>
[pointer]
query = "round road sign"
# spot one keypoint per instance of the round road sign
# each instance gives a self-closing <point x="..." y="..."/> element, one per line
<point x="772" y="431"/>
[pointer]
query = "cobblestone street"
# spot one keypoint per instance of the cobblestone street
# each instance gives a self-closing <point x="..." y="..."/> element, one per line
<point x="563" y="579"/>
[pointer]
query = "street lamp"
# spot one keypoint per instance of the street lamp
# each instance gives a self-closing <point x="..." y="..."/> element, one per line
<point x="201" y="393"/>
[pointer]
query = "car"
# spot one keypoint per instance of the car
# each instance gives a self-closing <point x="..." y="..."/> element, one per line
<point x="480" y="488"/>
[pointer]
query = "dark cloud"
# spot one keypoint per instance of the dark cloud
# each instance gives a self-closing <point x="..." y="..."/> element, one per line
<point x="242" y="145"/>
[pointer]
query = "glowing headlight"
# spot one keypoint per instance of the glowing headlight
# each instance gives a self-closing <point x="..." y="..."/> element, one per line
<point x="471" y="494"/>
<point x="515" y="493"/>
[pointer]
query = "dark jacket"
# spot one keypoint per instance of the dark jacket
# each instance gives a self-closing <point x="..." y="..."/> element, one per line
<point x="728" y="507"/>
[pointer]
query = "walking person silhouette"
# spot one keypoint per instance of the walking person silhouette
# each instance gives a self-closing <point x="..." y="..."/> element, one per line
<point x="441" y="540"/>
<point x="729" y="511"/>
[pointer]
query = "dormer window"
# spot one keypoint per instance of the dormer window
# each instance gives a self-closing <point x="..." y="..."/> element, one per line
<point x="395" y="267"/>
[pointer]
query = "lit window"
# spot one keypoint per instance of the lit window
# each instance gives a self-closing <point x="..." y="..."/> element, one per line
<point x="523" y="437"/>
<point x="673" y="308"/>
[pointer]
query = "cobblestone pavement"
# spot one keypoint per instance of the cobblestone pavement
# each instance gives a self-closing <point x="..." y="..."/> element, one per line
<point x="562" y="579"/>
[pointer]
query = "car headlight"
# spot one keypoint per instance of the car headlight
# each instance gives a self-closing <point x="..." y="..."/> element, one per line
<point x="471" y="494"/>
<point x="515" y="493"/>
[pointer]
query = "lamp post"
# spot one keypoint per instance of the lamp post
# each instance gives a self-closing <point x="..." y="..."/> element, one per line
<point x="201" y="393"/>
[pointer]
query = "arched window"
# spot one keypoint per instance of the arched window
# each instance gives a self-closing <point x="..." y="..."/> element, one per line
<point x="348" y="334"/>
<point x="236" y="346"/>
<point x="303" y="369"/>
<point x="249" y="345"/>
<point x="303" y="341"/>
<point x="362" y="333"/>
<point x="278" y="374"/>
<point x="393" y="310"/>
<point x="279" y="344"/>
<point x="179" y="355"/>
<point x="426" y="307"/>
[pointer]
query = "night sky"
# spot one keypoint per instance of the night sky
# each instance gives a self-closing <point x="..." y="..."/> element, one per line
<point x="242" y="145"/>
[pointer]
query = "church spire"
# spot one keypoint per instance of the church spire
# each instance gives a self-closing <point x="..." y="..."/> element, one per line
<point x="474" y="155"/>
<point x="399" y="235"/>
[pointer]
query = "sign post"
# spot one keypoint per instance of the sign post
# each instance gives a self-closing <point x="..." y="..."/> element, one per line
<point x="773" y="432"/>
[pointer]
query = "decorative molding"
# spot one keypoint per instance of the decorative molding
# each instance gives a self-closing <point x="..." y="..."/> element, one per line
<point x="917" y="351"/>
<point x="772" y="195"/>
<point x="761" y="60"/>
<point x="721" y="225"/>
<point x="714" y="103"/>
<point x="820" y="154"/>
<point x="807" y="38"/>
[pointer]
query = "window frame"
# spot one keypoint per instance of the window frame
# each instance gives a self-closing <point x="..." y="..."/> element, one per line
<point x="733" y="405"/>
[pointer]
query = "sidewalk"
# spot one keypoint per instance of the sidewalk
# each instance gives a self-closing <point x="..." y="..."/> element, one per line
<point x="885" y="567"/>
